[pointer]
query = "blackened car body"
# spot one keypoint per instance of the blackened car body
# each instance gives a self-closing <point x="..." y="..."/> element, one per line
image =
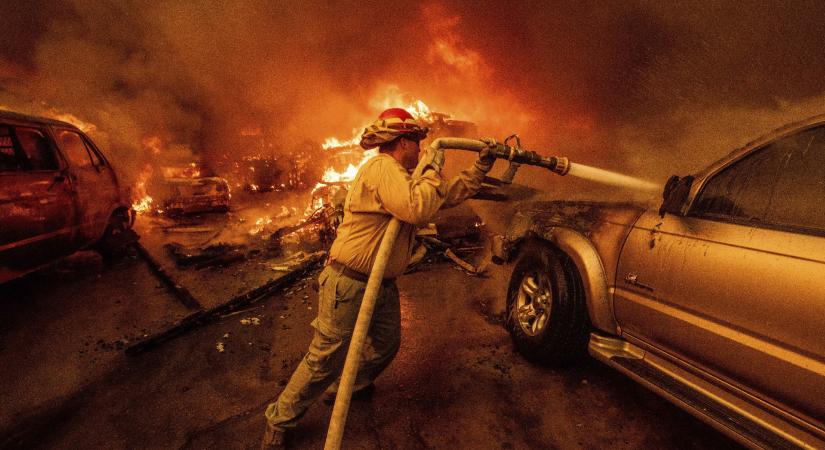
<point x="58" y="193"/>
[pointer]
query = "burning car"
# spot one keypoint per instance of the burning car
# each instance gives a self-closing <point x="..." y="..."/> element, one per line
<point x="58" y="194"/>
<point x="261" y="174"/>
<point x="715" y="301"/>
<point x="183" y="190"/>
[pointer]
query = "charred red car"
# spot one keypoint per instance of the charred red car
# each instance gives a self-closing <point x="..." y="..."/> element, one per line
<point x="58" y="194"/>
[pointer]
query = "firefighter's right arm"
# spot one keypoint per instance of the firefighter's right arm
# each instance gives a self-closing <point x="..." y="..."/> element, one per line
<point x="411" y="200"/>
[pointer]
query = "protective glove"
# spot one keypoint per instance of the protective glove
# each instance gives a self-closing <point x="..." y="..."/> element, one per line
<point x="486" y="157"/>
<point x="432" y="159"/>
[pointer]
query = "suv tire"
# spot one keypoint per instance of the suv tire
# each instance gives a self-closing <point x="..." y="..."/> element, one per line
<point x="546" y="310"/>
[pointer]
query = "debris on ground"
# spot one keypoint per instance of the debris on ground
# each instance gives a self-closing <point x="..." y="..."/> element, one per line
<point x="199" y="318"/>
<point x="297" y="259"/>
<point x="476" y="270"/>
<point x="457" y="237"/>
<point x="181" y="293"/>
<point x="251" y="321"/>
<point x="220" y="347"/>
<point x="116" y="244"/>
<point x="84" y="261"/>
<point x="185" y="229"/>
<point x="219" y="254"/>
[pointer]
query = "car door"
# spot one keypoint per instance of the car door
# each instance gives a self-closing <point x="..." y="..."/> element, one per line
<point x="37" y="220"/>
<point x="93" y="180"/>
<point x="736" y="288"/>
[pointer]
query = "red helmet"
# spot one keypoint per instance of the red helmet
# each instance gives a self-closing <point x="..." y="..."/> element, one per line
<point x="391" y="124"/>
<point x="401" y="120"/>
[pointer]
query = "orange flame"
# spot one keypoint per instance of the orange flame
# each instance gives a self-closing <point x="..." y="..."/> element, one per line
<point x="72" y="119"/>
<point x="142" y="201"/>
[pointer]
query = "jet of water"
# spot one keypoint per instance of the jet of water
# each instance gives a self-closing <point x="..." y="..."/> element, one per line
<point x="612" y="178"/>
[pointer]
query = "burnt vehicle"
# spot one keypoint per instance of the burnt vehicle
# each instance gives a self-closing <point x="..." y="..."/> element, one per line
<point x="261" y="174"/>
<point x="715" y="301"/>
<point x="443" y="125"/>
<point x="58" y="194"/>
<point x="195" y="195"/>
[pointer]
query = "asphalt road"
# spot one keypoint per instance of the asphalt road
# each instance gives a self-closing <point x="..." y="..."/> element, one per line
<point x="456" y="383"/>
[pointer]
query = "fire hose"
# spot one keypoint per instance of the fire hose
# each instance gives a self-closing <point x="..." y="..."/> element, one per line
<point x="515" y="155"/>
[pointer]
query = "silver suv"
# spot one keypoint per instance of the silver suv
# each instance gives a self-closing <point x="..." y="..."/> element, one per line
<point x="716" y="300"/>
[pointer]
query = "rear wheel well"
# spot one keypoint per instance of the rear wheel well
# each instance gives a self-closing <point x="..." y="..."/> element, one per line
<point x="119" y="225"/>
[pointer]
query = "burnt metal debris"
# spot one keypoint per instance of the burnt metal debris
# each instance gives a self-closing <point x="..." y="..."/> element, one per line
<point x="206" y="316"/>
<point x="220" y="254"/>
<point x="180" y="292"/>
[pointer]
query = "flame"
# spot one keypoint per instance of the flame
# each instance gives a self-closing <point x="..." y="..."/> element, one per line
<point x="143" y="204"/>
<point x="333" y="142"/>
<point x="72" y="119"/>
<point x="331" y="176"/>
<point x="260" y="225"/>
<point x="142" y="201"/>
<point x="193" y="171"/>
<point x="391" y="96"/>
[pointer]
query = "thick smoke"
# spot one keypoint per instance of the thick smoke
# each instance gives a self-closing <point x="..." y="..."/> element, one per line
<point x="644" y="87"/>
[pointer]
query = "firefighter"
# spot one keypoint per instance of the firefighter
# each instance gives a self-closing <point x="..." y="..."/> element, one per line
<point x="382" y="189"/>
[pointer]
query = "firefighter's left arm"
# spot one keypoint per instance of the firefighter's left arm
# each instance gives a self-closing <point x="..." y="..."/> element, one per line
<point x="468" y="182"/>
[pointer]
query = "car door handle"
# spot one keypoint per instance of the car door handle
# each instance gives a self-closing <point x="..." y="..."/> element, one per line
<point x="632" y="278"/>
<point x="59" y="178"/>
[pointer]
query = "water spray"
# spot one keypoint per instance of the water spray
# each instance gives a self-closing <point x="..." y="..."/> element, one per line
<point x="560" y="165"/>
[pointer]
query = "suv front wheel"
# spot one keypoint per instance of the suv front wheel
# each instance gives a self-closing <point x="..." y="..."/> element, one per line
<point x="546" y="310"/>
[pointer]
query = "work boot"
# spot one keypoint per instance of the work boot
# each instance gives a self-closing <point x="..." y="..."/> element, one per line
<point x="363" y="394"/>
<point x="273" y="438"/>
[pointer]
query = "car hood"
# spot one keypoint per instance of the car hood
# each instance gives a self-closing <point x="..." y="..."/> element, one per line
<point x="582" y="216"/>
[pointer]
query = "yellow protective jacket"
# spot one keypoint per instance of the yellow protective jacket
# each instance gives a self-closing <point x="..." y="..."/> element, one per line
<point x="383" y="189"/>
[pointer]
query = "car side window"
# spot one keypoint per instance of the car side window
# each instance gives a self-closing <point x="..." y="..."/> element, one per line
<point x="96" y="156"/>
<point x="74" y="148"/>
<point x="36" y="147"/>
<point x="779" y="185"/>
<point x="9" y="158"/>
<point x="798" y="197"/>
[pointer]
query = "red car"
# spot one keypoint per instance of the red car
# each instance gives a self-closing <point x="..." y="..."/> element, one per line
<point x="58" y="194"/>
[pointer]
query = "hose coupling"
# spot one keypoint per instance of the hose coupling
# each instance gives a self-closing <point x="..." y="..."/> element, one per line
<point x="561" y="165"/>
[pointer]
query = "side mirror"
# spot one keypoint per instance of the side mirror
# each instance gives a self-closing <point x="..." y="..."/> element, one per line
<point x="675" y="195"/>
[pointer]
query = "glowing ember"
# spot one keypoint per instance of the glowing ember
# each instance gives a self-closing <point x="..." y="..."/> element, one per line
<point x="260" y="224"/>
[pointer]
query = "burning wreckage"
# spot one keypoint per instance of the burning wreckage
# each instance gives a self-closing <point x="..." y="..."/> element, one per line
<point x="184" y="191"/>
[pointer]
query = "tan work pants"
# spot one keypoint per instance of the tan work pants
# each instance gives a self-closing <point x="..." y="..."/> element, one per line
<point x="339" y="299"/>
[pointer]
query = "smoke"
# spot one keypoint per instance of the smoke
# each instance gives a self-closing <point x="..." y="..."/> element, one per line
<point x="644" y="87"/>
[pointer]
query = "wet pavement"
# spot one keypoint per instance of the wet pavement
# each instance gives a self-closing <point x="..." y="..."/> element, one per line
<point x="456" y="383"/>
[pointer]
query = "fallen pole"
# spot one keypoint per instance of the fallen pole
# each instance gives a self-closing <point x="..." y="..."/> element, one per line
<point x="206" y="316"/>
<point x="181" y="293"/>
